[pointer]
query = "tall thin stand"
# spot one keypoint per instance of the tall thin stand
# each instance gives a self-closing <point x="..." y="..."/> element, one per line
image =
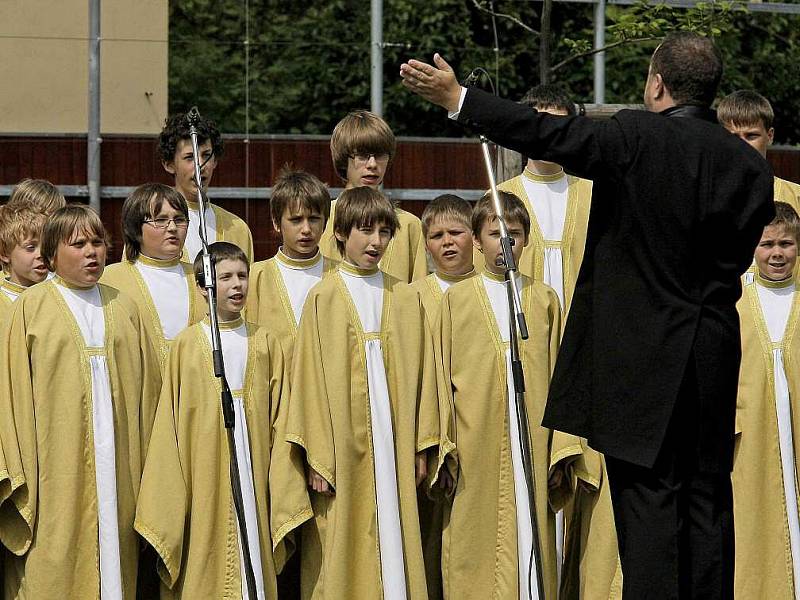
<point x="209" y="282"/>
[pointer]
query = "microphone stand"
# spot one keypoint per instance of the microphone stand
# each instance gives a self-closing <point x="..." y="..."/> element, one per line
<point x="518" y="328"/>
<point x="209" y="282"/>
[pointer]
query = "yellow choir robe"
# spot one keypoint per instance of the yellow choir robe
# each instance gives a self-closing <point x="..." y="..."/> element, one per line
<point x="9" y="289"/>
<point x="125" y="277"/>
<point x="185" y="509"/>
<point x="573" y="236"/>
<point x="329" y="421"/>
<point x="229" y="228"/>
<point x="268" y="303"/>
<point x="763" y="553"/>
<point x="405" y="258"/>
<point x="430" y="511"/>
<point x="787" y="191"/>
<point x="479" y="546"/>
<point x="49" y="517"/>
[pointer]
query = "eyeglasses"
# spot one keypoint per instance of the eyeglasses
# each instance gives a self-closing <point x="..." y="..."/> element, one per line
<point x="180" y="222"/>
<point x="362" y="159"/>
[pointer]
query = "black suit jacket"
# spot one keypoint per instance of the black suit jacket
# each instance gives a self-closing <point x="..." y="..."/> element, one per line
<point x="678" y="206"/>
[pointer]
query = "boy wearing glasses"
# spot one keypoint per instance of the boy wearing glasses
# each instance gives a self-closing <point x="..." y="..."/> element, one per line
<point x="362" y="148"/>
<point x="154" y="224"/>
<point x="177" y="157"/>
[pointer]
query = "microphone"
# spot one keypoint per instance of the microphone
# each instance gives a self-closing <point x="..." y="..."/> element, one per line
<point x="473" y="77"/>
<point x="193" y="116"/>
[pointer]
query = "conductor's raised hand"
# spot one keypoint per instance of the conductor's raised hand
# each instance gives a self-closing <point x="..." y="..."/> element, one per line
<point x="437" y="84"/>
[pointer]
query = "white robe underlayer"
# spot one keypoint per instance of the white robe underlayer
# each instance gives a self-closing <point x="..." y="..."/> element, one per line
<point x="776" y="305"/>
<point x="367" y="295"/>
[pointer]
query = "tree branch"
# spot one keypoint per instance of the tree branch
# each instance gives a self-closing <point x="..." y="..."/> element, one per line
<point x="588" y="53"/>
<point x="512" y="18"/>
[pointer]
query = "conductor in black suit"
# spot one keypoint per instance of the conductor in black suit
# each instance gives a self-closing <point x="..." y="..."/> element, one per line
<point x="649" y="360"/>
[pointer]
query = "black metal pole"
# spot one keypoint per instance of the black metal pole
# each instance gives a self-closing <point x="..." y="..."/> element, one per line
<point x="518" y="328"/>
<point x="209" y="282"/>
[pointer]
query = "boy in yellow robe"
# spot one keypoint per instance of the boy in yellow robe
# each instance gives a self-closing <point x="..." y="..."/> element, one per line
<point x="362" y="414"/>
<point x="749" y="115"/>
<point x="299" y="207"/>
<point x="765" y="499"/>
<point x="155" y="220"/>
<point x="78" y="386"/>
<point x="448" y="240"/>
<point x="20" y="252"/>
<point x="558" y="205"/>
<point x="488" y="534"/>
<point x="185" y="509"/>
<point x="177" y="157"/>
<point x="363" y="147"/>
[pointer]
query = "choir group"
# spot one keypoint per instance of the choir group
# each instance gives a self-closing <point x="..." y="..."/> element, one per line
<point x="370" y="369"/>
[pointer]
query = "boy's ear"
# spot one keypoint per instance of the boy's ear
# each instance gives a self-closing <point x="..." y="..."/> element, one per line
<point x="340" y="237"/>
<point x="477" y="243"/>
<point x="5" y="260"/>
<point x="771" y="135"/>
<point x="276" y="226"/>
<point x="169" y="166"/>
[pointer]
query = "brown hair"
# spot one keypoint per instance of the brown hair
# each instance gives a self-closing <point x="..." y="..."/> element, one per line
<point x="514" y="211"/>
<point x="144" y="203"/>
<point x="37" y="194"/>
<point x="17" y="225"/>
<point x="360" y="132"/>
<point x="295" y="189"/>
<point x="219" y="251"/>
<point x="361" y="207"/>
<point x="787" y="216"/>
<point x="446" y="206"/>
<point x="690" y="66"/>
<point x="64" y="224"/>
<point x="745" y="108"/>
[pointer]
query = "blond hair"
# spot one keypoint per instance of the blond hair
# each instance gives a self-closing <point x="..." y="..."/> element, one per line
<point x="37" y="194"/>
<point x="18" y="225"/>
<point x="64" y="224"/>
<point x="745" y="108"/>
<point x="446" y="206"/>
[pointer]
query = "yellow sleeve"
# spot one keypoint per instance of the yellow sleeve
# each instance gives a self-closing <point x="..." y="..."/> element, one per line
<point x="164" y="501"/>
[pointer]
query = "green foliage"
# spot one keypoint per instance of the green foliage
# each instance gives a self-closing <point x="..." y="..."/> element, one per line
<point x="304" y="64"/>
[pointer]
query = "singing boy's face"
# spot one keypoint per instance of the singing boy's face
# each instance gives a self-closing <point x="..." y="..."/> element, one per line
<point x="488" y="242"/>
<point x="300" y="229"/>
<point x="776" y="253"/>
<point x="366" y="170"/>
<point x="232" y="284"/>
<point x="449" y="242"/>
<point x="182" y="168"/>
<point x="81" y="259"/>
<point x="24" y="265"/>
<point x="365" y="245"/>
<point x="164" y="233"/>
<point x="758" y="136"/>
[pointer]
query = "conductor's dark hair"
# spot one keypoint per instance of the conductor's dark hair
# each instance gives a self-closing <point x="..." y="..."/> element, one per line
<point x="219" y="251"/>
<point x="176" y="128"/>
<point x="548" y="95"/>
<point x="690" y="66"/>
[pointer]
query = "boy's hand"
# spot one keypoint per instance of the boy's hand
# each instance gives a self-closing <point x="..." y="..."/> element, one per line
<point x="446" y="481"/>
<point x="436" y="84"/>
<point x="421" y="461"/>
<point x="555" y="480"/>
<point x="318" y="483"/>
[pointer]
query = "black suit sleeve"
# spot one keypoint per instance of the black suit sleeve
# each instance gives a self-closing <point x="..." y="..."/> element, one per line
<point x="584" y="147"/>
